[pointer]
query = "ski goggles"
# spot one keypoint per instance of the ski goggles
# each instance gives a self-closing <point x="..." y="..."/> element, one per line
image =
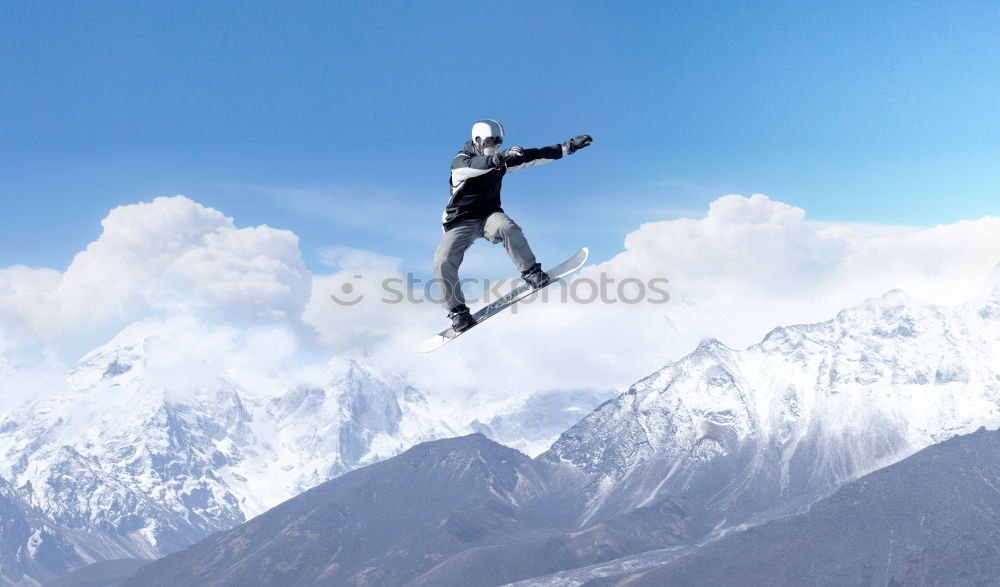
<point x="492" y="141"/>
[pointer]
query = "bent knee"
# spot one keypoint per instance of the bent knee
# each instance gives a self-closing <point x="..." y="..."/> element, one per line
<point x="501" y="229"/>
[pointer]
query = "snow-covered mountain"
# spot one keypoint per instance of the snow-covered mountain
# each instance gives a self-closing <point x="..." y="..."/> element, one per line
<point x="810" y="407"/>
<point x="121" y="465"/>
<point x="531" y="424"/>
<point x="694" y="451"/>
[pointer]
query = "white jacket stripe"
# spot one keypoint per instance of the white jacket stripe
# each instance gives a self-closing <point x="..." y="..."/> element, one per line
<point x="532" y="163"/>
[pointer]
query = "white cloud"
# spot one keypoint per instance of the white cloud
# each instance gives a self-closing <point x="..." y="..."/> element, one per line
<point x="367" y="302"/>
<point x="184" y="353"/>
<point x="19" y="386"/>
<point x="754" y="263"/>
<point x="161" y="257"/>
<point x="748" y="265"/>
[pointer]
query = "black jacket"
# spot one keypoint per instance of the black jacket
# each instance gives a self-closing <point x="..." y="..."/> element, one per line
<point x="475" y="183"/>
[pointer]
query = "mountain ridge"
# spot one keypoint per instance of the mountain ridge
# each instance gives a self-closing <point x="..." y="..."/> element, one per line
<point x="806" y="409"/>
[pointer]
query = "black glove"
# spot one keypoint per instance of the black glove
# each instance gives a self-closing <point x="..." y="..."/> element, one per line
<point x="497" y="159"/>
<point x="512" y="152"/>
<point x="574" y="145"/>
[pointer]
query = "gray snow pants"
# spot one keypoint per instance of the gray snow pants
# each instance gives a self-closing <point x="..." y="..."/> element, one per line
<point x="496" y="228"/>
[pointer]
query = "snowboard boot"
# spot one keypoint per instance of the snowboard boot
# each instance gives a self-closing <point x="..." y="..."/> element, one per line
<point x="535" y="277"/>
<point x="461" y="319"/>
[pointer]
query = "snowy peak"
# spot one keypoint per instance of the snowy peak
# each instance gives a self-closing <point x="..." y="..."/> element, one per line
<point x="361" y="370"/>
<point x="987" y="304"/>
<point x="123" y="353"/>
<point x="991" y="290"/>
<point x="710" y="347"/>
<point x="360" y="415"/>
<point x="893" y="314"/>
<point x="809" y="407"/>
<point x="151" y="448"/>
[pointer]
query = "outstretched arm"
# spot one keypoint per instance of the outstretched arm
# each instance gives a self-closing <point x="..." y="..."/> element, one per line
<point x="518" y="158"/>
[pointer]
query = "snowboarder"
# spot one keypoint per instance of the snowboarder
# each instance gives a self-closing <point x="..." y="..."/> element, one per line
<point x="474" y="211"/>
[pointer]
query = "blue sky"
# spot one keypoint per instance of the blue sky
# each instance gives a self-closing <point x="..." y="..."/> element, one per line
<point x="338" y="120"/>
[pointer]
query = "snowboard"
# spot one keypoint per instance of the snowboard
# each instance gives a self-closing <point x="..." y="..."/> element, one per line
<point x="500" y="304"/>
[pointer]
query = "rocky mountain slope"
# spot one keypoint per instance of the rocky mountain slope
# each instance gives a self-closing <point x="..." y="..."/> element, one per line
<point x="30" y="542"/>
<point x="931" y="519"/>
<point x="462" y="511"/>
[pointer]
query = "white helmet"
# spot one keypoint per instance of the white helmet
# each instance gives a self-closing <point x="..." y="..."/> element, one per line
<point x="487" y="136"/>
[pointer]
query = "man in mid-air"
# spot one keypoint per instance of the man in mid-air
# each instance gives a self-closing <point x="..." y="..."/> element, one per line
<point x="474" y="211"/>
